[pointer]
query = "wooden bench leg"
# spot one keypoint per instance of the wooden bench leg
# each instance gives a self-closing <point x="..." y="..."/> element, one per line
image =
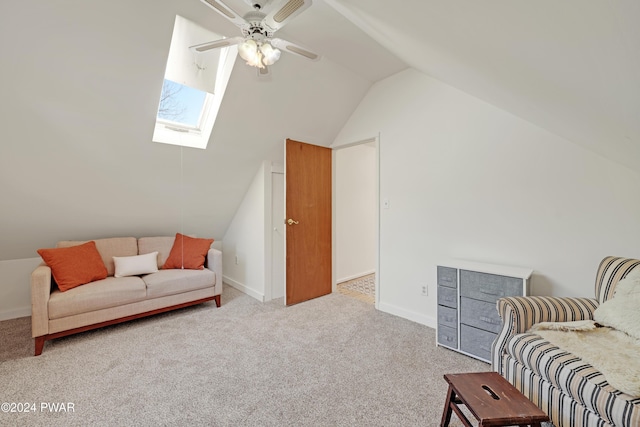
<point x="446" y="414"/>
<point x="217" y="300"/>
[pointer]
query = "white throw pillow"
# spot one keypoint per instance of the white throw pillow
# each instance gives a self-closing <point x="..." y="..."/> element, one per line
<point x="136" y="265"/>
<point x="630" y="285"/>
<point x="622" y="312"/>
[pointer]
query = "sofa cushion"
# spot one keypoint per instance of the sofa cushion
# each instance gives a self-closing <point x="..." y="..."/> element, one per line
<point x="170" y="282"/>
<point x="74" y="266"/>
<point x="109" y="292"/>
<point x="575" y="377"/>
<point x="188" y="253"/>
<point x="108" y="248"/>
<point x="160" y="244"/>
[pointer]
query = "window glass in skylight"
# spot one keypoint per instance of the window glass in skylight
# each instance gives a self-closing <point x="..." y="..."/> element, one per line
<point x="181" y="104"/>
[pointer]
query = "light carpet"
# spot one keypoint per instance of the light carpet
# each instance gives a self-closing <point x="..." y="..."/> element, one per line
<point x="332" y="361"/>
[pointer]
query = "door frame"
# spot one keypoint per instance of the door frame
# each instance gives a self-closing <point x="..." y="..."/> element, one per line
<point x="271" y="168"/>
<point x="334" y="183"/>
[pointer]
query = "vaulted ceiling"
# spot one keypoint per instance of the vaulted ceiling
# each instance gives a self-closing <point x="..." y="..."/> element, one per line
<point x="571" y="67"/>
<point x="81" y="83"/>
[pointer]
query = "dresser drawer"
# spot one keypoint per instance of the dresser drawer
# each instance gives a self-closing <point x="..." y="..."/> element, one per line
<point x="481" y="314"/>
<point x="447" y="316"/>
<point x="488" y="287"/>
<point x="448" y="277"/>
<point x="448" y="336"/>
<point x="476" y="341"/>
<point x="448" y="296"/>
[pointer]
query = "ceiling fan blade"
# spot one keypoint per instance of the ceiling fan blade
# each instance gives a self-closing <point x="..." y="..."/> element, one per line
<point x="226" y="11"/>
<point x="283" y="11"/>
<point x="216" y="44"/>
<point x="295" y="49"/>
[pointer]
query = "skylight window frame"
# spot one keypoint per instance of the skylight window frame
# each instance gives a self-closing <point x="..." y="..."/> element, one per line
<point x="181" y="134"/>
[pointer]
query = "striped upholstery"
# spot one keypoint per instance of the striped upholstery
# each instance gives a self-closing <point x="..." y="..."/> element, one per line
<point x="562" y="410"/>
<point x="520" y="313"/>
<point x="580" y="381"/>
<point x="610" y="272"/>
<point x="569" y="390"/>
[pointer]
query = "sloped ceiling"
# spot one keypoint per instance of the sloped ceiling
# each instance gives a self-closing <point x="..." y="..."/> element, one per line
<point x="571" y="67"/>
<point x="81" y="83"/>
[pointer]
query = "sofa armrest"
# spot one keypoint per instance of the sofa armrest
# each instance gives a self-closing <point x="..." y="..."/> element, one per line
<point x="214" y="263"/>
<point x="40" y="291"/>
<point x="520" y="313"/>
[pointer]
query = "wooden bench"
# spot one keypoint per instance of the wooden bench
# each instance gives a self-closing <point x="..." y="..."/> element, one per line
<point x="491" y="399"/>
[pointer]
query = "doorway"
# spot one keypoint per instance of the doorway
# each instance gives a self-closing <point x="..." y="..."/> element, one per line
<point x="356" y="220"/>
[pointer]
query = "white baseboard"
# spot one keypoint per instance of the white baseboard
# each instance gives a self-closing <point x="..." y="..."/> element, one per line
<point x="15" y="313"/>
<point x="242" y="288"/>
<point x="355" y="276"/>
<point x="409" y="315"/>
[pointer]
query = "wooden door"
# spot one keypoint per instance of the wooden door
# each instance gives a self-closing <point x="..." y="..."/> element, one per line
<point x="308" y="216"/>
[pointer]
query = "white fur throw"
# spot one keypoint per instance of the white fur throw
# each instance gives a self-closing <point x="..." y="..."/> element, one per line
<point x="578" y="325"/>
<point x="622" y="312"/>
<point x="611" y="352"/>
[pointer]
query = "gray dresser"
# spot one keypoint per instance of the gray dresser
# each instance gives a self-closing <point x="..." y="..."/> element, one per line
<point x="468" y="321"/>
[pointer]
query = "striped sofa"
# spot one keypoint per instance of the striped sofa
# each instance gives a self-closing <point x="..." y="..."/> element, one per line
<point x="570" y="391"/>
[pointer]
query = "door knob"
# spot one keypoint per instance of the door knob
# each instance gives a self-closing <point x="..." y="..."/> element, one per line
<point x="291" y="222"/>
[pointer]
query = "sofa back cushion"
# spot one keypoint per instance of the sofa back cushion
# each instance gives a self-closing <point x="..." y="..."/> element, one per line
<point x="610" y="272"/>
<point x="108" y="248"/>
<point x="161" y="244"/>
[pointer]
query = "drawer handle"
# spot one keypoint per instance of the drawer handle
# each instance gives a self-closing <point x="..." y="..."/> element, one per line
<point x="448" y="298"/>
<point x="492" y="292"/>
<point x="449" y="339"/>
<point x="490" y="320"/>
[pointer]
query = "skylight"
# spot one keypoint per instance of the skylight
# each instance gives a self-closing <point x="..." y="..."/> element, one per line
<point x="181" y="104"/>
<point x="193" y="87"/>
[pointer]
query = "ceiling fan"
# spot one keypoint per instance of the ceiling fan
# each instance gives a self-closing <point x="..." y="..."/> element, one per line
<point x="257" y="45"/>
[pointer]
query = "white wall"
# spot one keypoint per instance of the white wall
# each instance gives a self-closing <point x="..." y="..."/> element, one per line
<point x="243" y="260"/>
<point x="15" y="287"/>
<point x="467" y="180"/>
<point x="79" y="108"/>
<point x="355" y="211"/>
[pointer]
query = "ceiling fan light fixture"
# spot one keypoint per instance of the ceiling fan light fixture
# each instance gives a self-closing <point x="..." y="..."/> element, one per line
<point x="257" y="45"/>
<point x="250" y="52"/>
<point x="271" y="54"/>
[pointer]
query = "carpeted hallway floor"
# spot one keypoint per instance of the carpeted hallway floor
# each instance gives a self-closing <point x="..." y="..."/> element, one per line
<point x="362" y="288"/>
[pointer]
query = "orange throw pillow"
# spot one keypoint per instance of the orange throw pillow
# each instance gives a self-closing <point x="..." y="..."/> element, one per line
<point x="188" y="253"/>
<point x="75" y="265"/>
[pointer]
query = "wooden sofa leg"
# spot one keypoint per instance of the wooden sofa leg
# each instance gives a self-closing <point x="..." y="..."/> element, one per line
<point x="217" y="300"/>
<point x="39" y="344"/>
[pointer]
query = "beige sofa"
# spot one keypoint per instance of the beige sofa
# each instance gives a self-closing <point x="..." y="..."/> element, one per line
<point x="113" y="300"/>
